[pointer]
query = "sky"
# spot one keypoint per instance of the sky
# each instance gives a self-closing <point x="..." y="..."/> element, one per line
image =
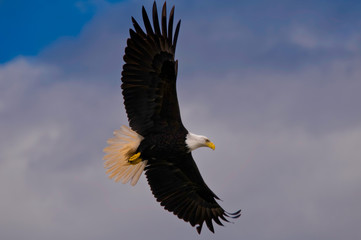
<point x="274" y="84"/>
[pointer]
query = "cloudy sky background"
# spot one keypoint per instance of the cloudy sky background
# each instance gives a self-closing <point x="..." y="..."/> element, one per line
<point x="275" y="84"/>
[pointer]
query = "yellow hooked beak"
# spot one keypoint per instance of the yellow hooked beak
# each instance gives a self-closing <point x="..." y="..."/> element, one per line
<point x="211" y="145"/>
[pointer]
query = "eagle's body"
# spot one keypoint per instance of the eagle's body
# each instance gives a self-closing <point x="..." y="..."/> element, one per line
<point x="164" y="144"/>
<point x="157" y="142"/>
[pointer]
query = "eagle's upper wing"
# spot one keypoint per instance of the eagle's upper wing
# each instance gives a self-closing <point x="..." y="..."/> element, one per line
<point x="179" y="187"/>
<point x="149" y="75"/>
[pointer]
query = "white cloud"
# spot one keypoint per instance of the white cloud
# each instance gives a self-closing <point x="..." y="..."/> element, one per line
<point x="54" y="184"/>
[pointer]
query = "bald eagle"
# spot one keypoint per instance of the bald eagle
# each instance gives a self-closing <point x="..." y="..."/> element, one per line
<point x="157" y="142"/>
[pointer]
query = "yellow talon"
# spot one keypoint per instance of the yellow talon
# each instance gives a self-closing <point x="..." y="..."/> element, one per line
<point x="135" y="159"/>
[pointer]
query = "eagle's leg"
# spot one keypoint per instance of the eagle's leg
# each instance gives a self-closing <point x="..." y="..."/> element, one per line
<point x="135" y="159"/>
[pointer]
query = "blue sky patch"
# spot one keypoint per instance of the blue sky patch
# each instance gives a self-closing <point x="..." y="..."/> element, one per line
<point x="28" y="26"/>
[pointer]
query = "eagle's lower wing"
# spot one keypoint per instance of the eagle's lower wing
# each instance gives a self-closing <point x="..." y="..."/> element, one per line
<point x="149" y="75"/>
<point x="179" y="187"/>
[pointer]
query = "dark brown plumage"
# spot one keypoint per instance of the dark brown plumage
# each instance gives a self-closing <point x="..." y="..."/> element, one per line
<point x="150" y="98"/>
<point x="149" y="76"/>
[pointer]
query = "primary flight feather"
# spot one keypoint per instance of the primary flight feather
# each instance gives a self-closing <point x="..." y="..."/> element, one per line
<point x="157" y="142"/>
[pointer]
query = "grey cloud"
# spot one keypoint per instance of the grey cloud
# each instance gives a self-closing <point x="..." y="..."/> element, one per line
<point x="287" y="140"/>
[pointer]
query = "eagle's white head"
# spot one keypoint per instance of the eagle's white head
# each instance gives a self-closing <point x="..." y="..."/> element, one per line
<point x="194" y="141"/>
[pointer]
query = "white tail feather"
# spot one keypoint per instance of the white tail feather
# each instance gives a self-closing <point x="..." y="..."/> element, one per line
<point x="121" y="147"/>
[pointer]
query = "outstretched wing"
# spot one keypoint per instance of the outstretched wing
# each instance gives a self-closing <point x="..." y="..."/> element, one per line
<point x="179" y="187"/>
<point x="149" y="75"/>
